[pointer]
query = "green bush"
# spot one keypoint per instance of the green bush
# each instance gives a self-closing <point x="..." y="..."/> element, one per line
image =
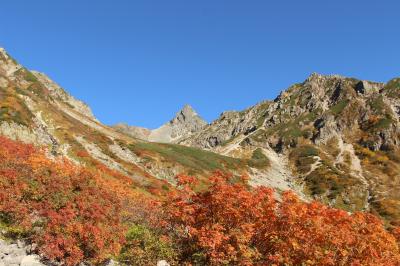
<point x="339" y="107"/>
<point x="308" y="150"/>
<point x="393" y="88"/>
<point x="30" y="77"/>
<point x="144" y="246"/>
<point x="193" y="158"/>
<point x="27" y="75"/>
<point x="383" y="123"/>
<point x="377" y="104"/>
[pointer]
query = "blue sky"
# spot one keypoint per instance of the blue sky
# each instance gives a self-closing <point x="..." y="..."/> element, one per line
<point x="141" y="61"/>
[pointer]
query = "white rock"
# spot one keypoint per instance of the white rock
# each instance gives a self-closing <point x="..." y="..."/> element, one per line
<point x="162" y="263"/>
<point x="31" y="260"/>
<point x="9" y="260"/>
<point x="20" y="244"/>
<point x="112" y="263"/>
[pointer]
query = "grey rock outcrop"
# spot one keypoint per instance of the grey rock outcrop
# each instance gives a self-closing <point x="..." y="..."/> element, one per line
<point x="229" y="125"/>
<point x="368" y="87"/>
<point x="59" y="94"/>
<point x="17" y="254"/>
<point x="9" y="65"/>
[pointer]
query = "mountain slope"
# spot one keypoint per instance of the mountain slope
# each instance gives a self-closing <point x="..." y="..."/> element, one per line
<point x="332" y="138"/>
<point x="34" y="109"/>
<point x="340" y="137"/>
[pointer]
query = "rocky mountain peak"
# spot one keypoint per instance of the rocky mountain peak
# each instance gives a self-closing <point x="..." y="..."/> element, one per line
<point x="187" y="115"/>
<point x="185" y="123"/>
<point x="188" y="109"/>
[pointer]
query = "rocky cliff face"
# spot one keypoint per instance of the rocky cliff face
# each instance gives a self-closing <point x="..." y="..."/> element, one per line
<point x="314" y="108"/>
<point x="183" y="125"/>
<point x="59" y="94"/>
<point x="340" y="136"/>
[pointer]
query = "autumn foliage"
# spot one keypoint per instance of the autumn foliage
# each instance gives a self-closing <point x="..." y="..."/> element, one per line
<point x="65" y="209"/>
<point x="230" y="224"/>
<point x="77" y="214"/>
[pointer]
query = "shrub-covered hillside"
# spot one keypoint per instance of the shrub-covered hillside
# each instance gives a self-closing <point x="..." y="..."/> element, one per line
<point x="76" y="214"/>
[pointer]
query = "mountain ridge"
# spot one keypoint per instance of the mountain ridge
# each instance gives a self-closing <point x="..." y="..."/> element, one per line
<point x="339" y="135"/>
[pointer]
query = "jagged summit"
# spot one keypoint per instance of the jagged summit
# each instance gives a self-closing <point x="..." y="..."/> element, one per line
<point x="187" y="115"/>
<point x="188" y="109"/>
<point x="185" y="123"/>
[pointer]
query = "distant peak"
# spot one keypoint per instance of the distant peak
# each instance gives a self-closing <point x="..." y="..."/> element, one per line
<point x="186" y="114"/>
<point x="188" y="110"/>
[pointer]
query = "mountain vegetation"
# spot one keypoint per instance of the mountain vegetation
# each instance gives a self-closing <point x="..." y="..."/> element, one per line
<point x="310" y="178"/>
<point x="74" y="214"/>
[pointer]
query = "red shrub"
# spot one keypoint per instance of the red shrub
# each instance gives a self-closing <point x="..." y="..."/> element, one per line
<point x="230" y="224"/>
<point x="74" y="215"/>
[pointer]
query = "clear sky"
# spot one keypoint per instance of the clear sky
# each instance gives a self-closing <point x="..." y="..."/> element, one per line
<point x="140" y="61"/>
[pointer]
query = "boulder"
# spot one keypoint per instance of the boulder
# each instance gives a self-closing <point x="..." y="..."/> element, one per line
<point x="31" y="260"/>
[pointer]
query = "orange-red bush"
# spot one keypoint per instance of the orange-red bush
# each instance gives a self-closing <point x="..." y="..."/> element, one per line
<point x="230" y="224"/>
<point x="65" y="209"/>
<point x="76" y="214"/>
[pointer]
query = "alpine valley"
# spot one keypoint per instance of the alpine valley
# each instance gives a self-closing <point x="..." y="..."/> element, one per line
<point x="330" y="138"/>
